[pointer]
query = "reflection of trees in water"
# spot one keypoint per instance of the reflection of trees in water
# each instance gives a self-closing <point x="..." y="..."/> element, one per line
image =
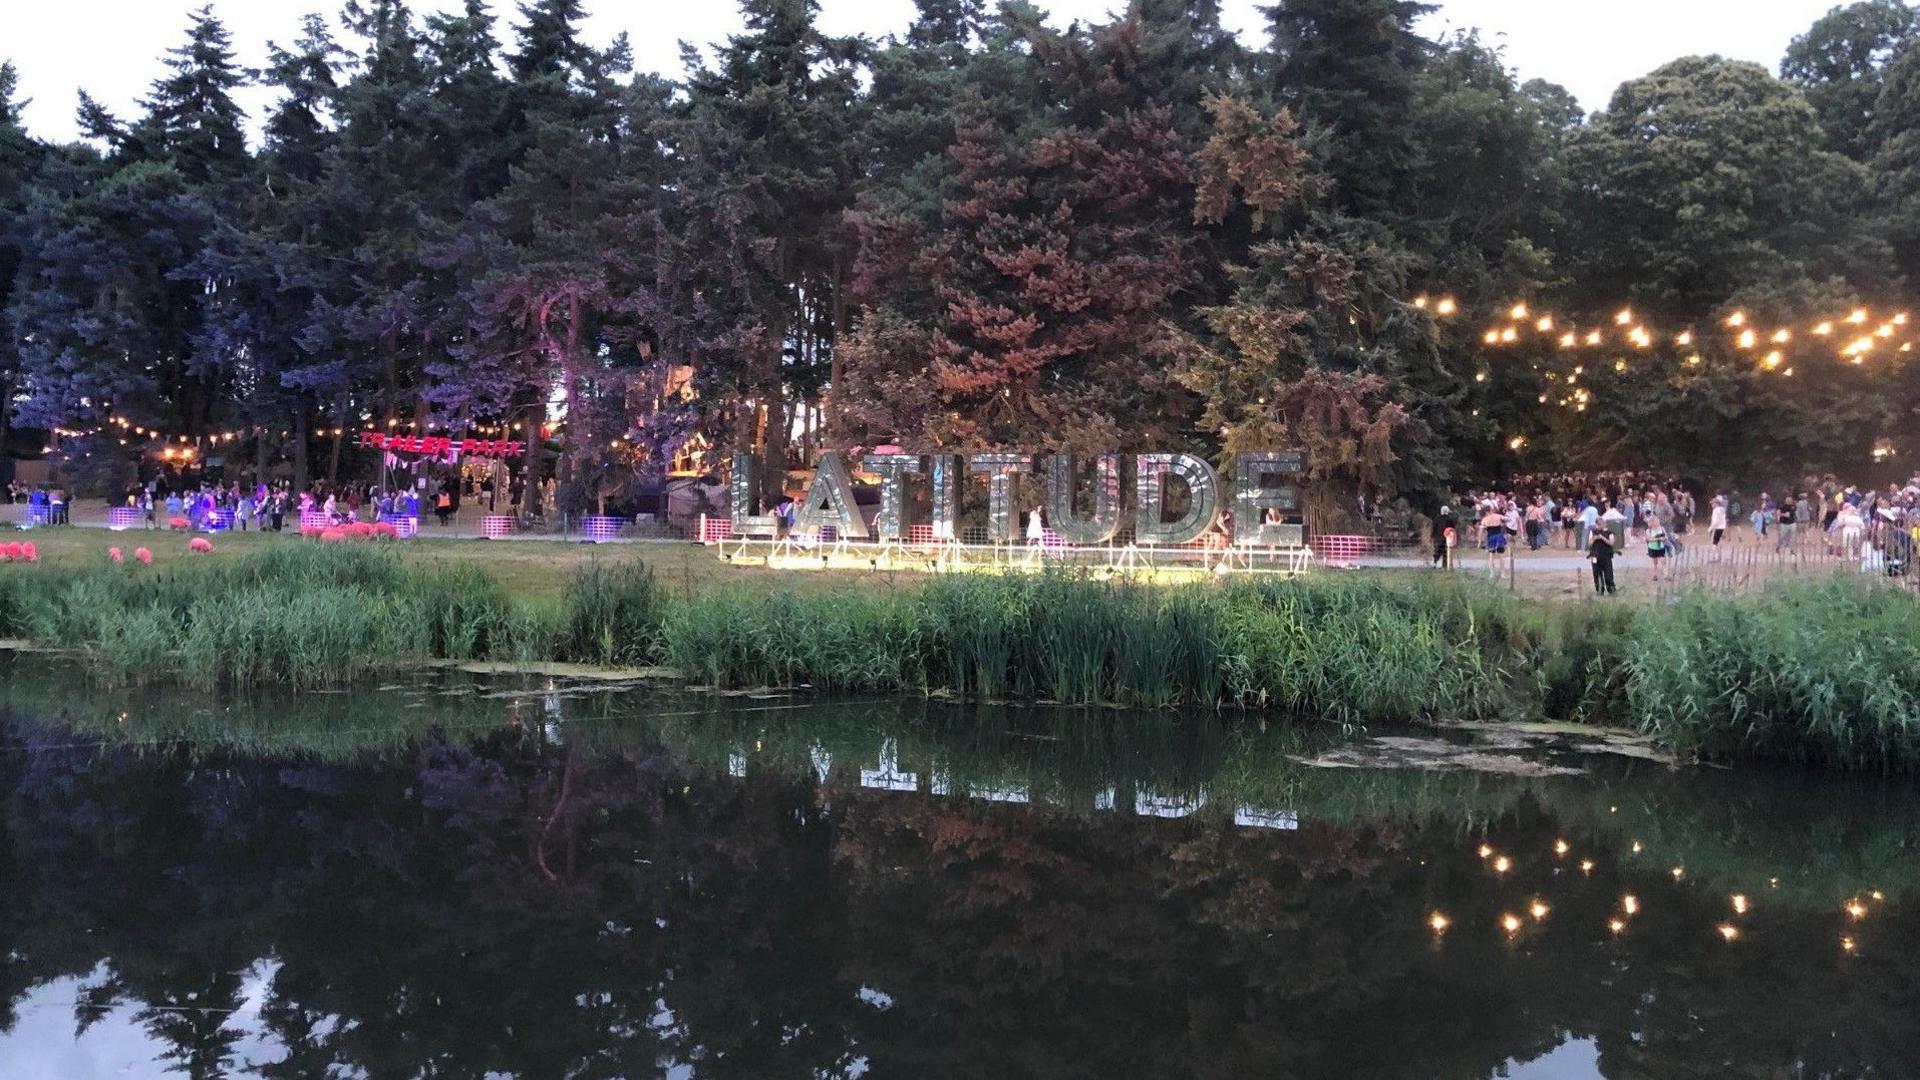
<point x="733" y="923"/>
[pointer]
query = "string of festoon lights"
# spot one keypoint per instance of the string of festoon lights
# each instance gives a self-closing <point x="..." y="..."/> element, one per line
<point x="1854" y="337"/>
<point x="128" y="430"/>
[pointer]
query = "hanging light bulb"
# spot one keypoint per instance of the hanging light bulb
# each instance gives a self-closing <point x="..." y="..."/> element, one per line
<point x="1738" y="318"/>
<point x="1439" y="922"/>
<point x="1858" y="316"/>
<point x="1823" y="329"/>
<point x="1630" y="904"/>
<point x="1544" y="323"/>
<point x="1685" y="338"/>
<point x="1624" y="317"/>
<point x="1517" y="312"/>
<point x="1567" y="340"/>
<point x="1747" y="339"/>
<point x="1446" y="306"/>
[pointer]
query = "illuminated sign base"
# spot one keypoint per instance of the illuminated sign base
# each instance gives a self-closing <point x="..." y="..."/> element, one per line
<point x="1134" y="562"/>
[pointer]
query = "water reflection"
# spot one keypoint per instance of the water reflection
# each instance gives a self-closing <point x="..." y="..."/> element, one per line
<point x="552" y="880"/>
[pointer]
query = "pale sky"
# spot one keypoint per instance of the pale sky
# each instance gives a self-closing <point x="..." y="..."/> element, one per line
<point x="111" y="47"/>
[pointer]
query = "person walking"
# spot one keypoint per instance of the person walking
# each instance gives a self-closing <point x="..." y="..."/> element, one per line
<point x="1656" y="547"/>
<point x="1600" y="557"/>
<point x="1717" y="523"/>
<point x="1785" y="519"/>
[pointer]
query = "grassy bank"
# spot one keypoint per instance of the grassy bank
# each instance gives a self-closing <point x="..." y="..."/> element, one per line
<point x="1819" y="671"/>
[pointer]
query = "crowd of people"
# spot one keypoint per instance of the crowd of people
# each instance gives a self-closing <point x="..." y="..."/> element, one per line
<point x="270" y="508"/>
<point x="1602" y="514"/>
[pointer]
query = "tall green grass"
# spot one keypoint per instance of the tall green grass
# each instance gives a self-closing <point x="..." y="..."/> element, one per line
<point x="1823" y="671"/>
<point x="312" y="615"/>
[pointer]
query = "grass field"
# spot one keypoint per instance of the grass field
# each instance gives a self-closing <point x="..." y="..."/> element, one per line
<point x="538" y="569"/>
<point x="528" y="569"/>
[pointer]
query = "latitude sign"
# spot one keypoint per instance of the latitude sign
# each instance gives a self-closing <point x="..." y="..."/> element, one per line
<point x="1262" y="481"/>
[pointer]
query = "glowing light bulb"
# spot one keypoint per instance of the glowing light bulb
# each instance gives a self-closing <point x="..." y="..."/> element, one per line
<point x="1446" y="306"/>
<point x="1685" y="338"/>
<point x="1823" y="329"/>
<point x="1781" y="337"/>
<point x="1561" y="847"/>
<point x="1728" y="932"/>
<point x="1486" y="852"/>
<point x="1586" y="866"/>
<point x="1502" y="864"/>
<point x="1885" y="330"/>
<point x="1544" y="323"/>
<point x="1479" y="376"/>
<point x="1858" y="316"/>
<point x="1630" y="904"/>
<point x="1856" y="909"/>
<point x="1847" y="944"/>
<point x="1636" y="847"/>
<point x="1509" y="335"/>
<point x="1747" y="339"/>
<point x="1538" y="909"/>
<point x="1694" y="360"/>
<point x="1510" y="922"/>
<point x="1567" y="340"/>
<point x="1877" y="895"/>
<point x="1617" y="926"/>
<point x="1439" y="922"/>
<point x="1679" y="872"/>
<point x="1738" y="318"/>
<point x="1772" y="359"/>
<point x="1492" y="337"/>
<point x="1517" y="311"/>
<point x="1420" y="301"/>
<point x="1619" y="365"/>
<point x="1516" y="443"/>
<point x="1543" y="399"/>
<point x="1593" y="337"/>
<point x="1900" y="319"/>
<point x="1740" y="904"/>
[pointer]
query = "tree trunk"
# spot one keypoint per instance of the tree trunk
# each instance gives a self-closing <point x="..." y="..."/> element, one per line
<point x="260" y="455"/>
<point x="333" y="453"/>
<point x="299" y="448"/>
<point x="536" y="449"/>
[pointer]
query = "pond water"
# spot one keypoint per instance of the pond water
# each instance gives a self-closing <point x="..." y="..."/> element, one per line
<point x="474" y="877"/>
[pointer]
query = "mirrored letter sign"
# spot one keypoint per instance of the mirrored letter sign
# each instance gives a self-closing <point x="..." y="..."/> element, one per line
<point x="1149" y="479"/>
<point x="1099" y="526"/>
<point x="943" y="476"/>
<point x="743" y="499"/>
<point x="1254" y="494"/>
<point x="893" y="469"/>
<point x="829" y="501"/>
<point x="1003" y="491"/>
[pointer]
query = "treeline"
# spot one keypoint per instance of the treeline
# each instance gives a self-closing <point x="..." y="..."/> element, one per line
<point x="984" y="232"/>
